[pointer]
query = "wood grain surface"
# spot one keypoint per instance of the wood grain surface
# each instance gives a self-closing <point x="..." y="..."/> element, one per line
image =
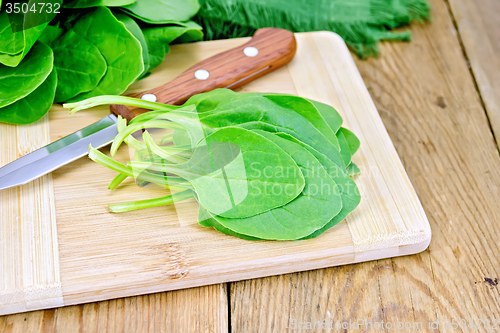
<point x="106" y="256"/>
<point x="426" y="96"/>
<point x="29" y="256"/>
<point x="477" y="22"/>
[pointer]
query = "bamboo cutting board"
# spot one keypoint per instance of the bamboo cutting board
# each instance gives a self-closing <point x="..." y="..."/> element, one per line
<point x="59" y="245"/>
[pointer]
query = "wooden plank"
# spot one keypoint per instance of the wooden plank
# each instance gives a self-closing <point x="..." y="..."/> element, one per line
<point x="427" y="99"/>
<point x="190" y="310"/>
<point x="478" y="22"/>
<point x="29" y="256"/>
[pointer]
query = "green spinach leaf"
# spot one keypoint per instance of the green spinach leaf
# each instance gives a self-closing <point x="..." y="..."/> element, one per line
<point x="80" y="66"/>
<point x="163" y="11"/>
<point x="121" y="50"/>
<point x="344" y="148"/>
<point x="14" y="46"/>
<point x="158" y="39"/>
<point x="329" y="114"/>
<point x="18" y="82"/>
<point x="218" y="97"/>
<point x="206" y="219"/>
<point x="352" y="140"/>
<point x="50" y="34"/>
<point x="307" y="110"/>
<point x="348" y="190"/>
<point x="97" y="3"/>
<point x="252" y="111"/>
<point x="10" y="43"/>
<point x="237" y="173"/>
<point x="32" y="107"/>
<point x="353" y="170"/>
<point x="261" y="113"/>
<point x="33" y="14"/>
<point x="318" y="203"/>
<point x="134" y="28"/>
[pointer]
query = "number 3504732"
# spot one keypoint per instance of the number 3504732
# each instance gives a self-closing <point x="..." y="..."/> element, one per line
<point x="38" y="7"/>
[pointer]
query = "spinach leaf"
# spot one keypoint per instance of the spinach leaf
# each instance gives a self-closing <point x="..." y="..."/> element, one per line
<point x="261" y="113"/>
<point x="121" y="50"/>
<point x="218" y="97"/>
<point x="50" y="34"/>
<point x="32" y="107"/>
<point x="237" y="173"/>
<point x="307" y="110"/>
<point x="329" y="114"/>
<point x="353" y="170"/>
<point x="318" y="203"/>
<point x="10" y="43"/>
<point x="344" y="148"/>
<point x="252" y="111"/>
<point x="97" y="3"/>
<point x="352" y="140"/>
<point x="206" y="219"/>
<point x="134" y="28"/>
<point x="18" y="82"/>
<point x="80" y="66"/>
<point x="327" y="121"/>
<point x="185" y="32"/>
<point x="158" y="39"/>
<point x="33" y="15"/>
<point x="163" y="11"/>
<point x="348" y="190"/>
<point x="14" y="46"/>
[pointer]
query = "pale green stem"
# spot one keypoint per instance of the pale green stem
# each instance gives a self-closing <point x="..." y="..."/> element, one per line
<point x="167" y="138"/>
<point x="108" y="162"/>
<point x="163" y="201"/>
<point x="121" y="100"/>
<point x="133" y="128"/>
<point x="117" y="181"/>
<point x="148" y="139"/>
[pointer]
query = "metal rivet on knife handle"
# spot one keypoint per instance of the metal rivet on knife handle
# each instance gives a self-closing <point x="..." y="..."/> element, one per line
<point x="251" y="51"/>
<point x="201" y="74"/>
<point x="149" y="97"/>
<point x="230" y="69"/>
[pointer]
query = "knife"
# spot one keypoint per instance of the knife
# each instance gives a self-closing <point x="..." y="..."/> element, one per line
<point x="269" y="49"/>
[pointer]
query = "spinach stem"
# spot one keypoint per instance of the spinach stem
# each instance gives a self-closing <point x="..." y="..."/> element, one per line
<point x="167" y="138"/>
<point x="108" y="162"/>
<point x="162" y="201"/>
<point x="148" y="139"/>
<point x="117" y="181"/>
<point x="122" y="100"/>
<point x="121" y="124"/>
<point x="155" y="114"/>
<point x="131" y="128"/>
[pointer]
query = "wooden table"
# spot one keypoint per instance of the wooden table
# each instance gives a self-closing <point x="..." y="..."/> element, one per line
<point x="439" y="98"/>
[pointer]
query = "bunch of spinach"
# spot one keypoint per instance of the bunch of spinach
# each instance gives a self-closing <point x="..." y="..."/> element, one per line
<point x="85" y="48"/>
<point x="261" y="166"/>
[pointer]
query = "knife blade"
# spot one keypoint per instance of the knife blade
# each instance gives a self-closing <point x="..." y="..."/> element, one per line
<point x="268" y="50"/>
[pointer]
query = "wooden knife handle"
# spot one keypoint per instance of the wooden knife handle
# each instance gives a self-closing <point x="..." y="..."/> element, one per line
<point x="269" y="49"/>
